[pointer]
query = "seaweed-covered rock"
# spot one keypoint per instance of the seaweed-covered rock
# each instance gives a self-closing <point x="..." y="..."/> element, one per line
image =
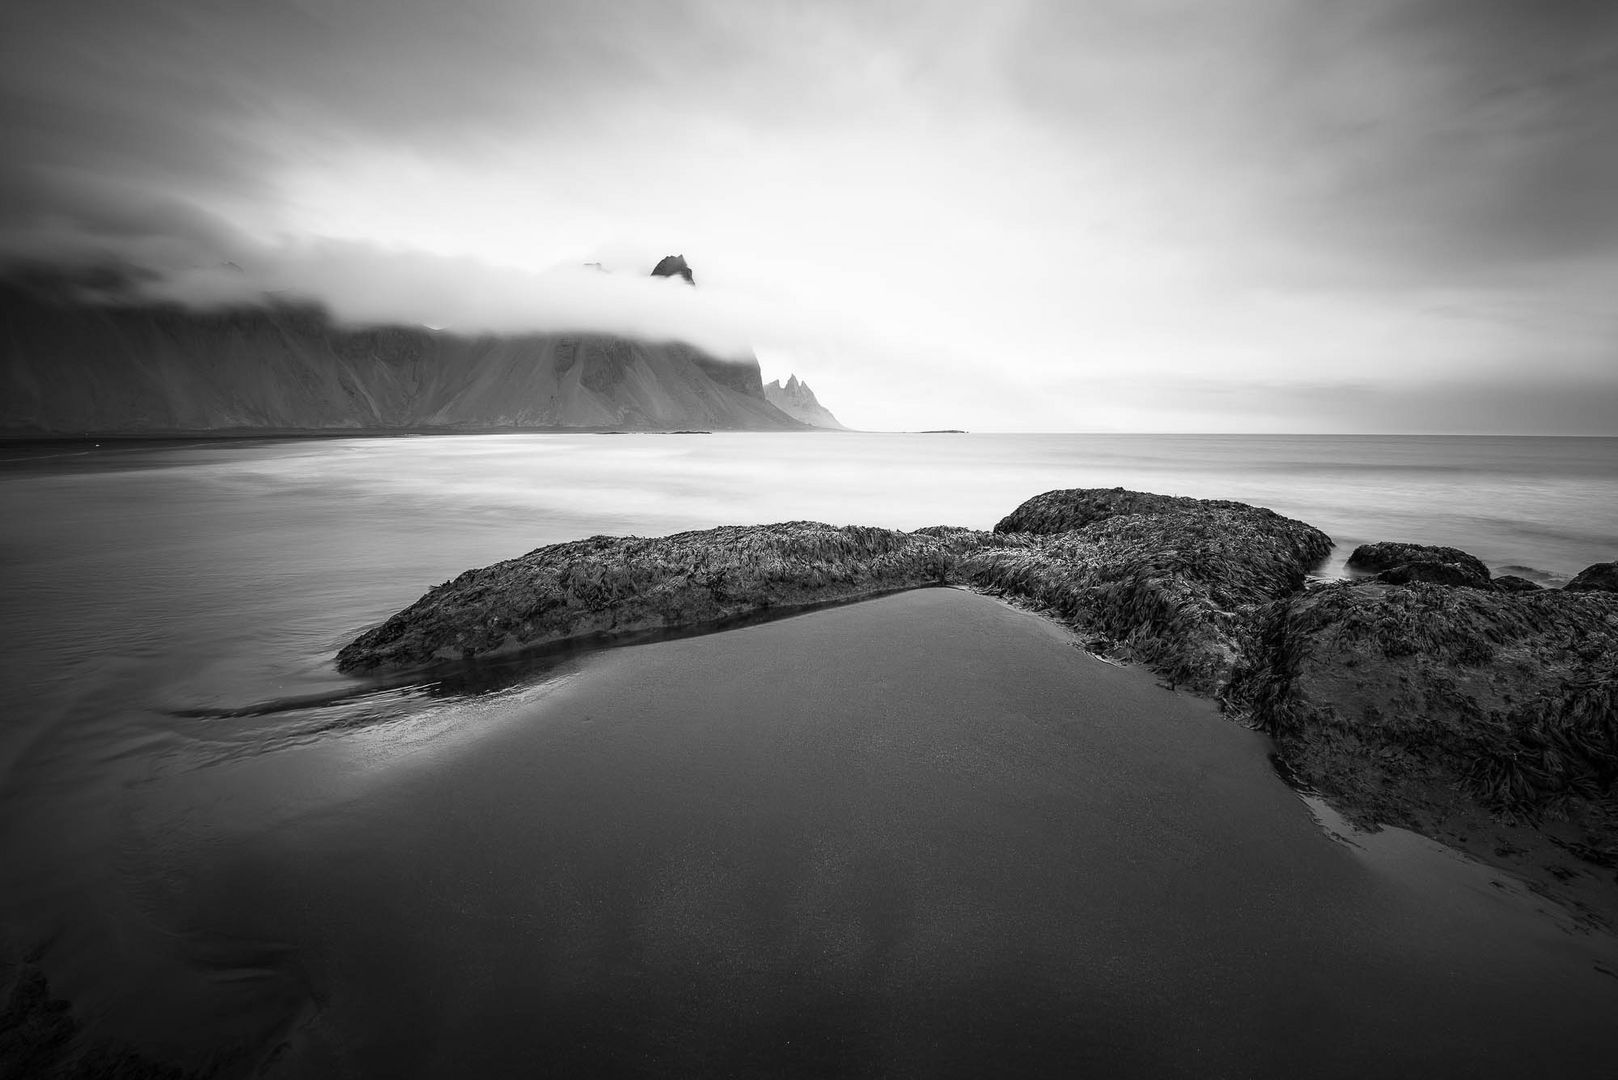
<point x="1389" y="555"/>
<point x="1600" y="577"/>
<point x="1074" y="508"/>
<point x="618" y="585"/>
<point x="1394" y="699"/>
<point x="1514" y="583"/>
<point x="1179" y="584"/>
<point x="1435" y="573"/>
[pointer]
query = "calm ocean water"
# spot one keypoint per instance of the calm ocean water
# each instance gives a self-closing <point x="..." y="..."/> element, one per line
<point x="152" y="589"/>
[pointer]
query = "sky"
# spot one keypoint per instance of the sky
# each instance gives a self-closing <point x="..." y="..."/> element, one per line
<point x="1264" y="215"/>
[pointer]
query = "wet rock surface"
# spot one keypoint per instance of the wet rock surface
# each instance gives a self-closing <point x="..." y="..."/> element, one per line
<point x="1179" y="584"/>
<point x="606" y="586"/>
<point x="1404" y="564"/>
<point x="1514" y="583"/>
<point x="1407" y="704"/>
<point x="1430" y="572"/>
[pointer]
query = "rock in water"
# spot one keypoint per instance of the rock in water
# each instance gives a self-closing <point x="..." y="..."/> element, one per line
<point x="608" y="585"/>
<point x="1513" y="583"/>
<point x="1600" y="577"/>
<point x="1391" y="555"/>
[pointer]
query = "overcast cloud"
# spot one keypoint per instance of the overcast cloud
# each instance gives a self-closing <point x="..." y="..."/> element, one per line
<point x="1271" y="215"/>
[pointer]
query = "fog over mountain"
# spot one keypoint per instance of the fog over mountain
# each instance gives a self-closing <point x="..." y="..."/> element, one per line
<point x="1280" y="215"/>
<point x="76" y="367"/>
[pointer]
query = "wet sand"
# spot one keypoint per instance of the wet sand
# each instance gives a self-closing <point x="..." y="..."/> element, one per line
<point x="919" y="836"/>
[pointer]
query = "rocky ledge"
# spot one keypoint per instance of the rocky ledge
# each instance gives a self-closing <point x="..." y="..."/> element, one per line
<point x="609" y="586"/>
<point x="1175" y="583"/>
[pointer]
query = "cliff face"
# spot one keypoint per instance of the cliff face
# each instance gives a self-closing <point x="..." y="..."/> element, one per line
<point x="799" y="402"/>
<point x="74" y="367"/>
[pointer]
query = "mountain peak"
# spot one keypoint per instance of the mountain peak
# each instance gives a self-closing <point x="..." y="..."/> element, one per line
<point x="672" y="265"/>
<point x="798" y="401"/>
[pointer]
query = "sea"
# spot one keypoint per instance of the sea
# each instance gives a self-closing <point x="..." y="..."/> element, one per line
<point x="173" y="724"/>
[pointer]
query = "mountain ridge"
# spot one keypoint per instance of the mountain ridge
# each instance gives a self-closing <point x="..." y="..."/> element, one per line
<point x="69" y="366"/>
<point x="799" y="402"/>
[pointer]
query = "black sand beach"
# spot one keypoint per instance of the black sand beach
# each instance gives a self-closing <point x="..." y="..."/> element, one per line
<point x="923" y="835"/>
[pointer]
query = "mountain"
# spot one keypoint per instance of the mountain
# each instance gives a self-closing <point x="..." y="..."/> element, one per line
<point x="672" y="266"/>
<point x="798" y="401"/>
<point x="68" y="366"/>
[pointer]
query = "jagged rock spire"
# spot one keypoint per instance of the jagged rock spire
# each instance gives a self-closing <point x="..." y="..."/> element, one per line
<point x="670" y="265"/>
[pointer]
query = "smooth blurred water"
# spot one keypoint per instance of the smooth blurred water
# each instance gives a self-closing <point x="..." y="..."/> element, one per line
<point x="152" y="588"/>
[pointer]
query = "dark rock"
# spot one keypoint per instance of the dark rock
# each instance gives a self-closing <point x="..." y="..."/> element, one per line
<point x="1600" y="577"/>
<point x="1178" y="584"/>
<point x="1513" y="583"/>
<point x="1403" y="701"/>
<point x="1178" y="591"/>
<point x="1390" y="554"/>
<point x="1435" y="573"/>
<point x="41" y="1037"/>
<point x="1074" y="508"/>
<point x="607" y="586"/>
<point x="673" y="266"/>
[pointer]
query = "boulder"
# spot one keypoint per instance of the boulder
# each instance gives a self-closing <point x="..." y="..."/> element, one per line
<point x="1074" y="508"/>
<point x="1513" y="583"/>
<point x="1390" y="554"/>
<point x="1600" y="577"/>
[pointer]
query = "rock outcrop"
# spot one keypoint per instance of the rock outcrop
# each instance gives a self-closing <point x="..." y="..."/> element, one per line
<point x="1401" y="564"/>
<point x="72" y="367"/>
<point x="1396" y="699"/>
<point x="799" y="402"/>
<point x="611" y="586"/>
<point x="674" y="266"/>
<point x="1600" y="577"/>
<point x="1178" y="590"/>
<point x="1179" y="584"/>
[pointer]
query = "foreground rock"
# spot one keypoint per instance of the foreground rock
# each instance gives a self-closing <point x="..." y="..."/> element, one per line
<point x="608" y="586"/>
<point x="1181" y="585"/>
<point x="1403" y="702"/>
<point x="1177" y="584"/>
